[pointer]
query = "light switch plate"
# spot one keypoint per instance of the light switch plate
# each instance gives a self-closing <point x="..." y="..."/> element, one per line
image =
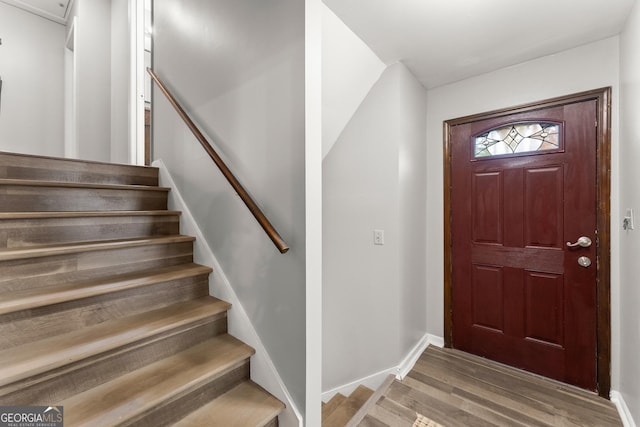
<point x="378" y="237"/>
<point x="627" y="222"/>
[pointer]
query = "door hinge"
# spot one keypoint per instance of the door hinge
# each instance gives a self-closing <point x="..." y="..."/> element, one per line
<point x="596" y="123"/>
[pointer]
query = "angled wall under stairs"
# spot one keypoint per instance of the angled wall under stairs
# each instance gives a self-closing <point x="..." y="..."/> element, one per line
<point x="102" y="309"/>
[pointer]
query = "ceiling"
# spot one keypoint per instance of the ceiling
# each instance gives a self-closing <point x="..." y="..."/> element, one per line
<point x="442" y="41"/>
<point x="55" y="10"/>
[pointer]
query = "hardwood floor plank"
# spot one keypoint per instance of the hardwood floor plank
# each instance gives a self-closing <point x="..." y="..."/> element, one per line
<point x="55" y="270"/>
<point x="82" y="214"/>
<point x="130" y="398"/>
<point x="473" y="404"/>
<point x="84" y="247"/>
<point x="31" y="359"/>
<point x="34" y="298"/>
<point x="458" y="389"/>
<point x="370" y="421"/>
<point x="543" y="383"/>
<point x="392" y="413"/>
<point x="474" y="387"/>
<point x="247" y="404"/>
<point x="348" y="408"/>
<point x="45" y="389"/>
<point x="554" y="398"/>
<point x="377" y="394"/>
<point x="440" y="411"/>
<point x="24" y="326"/>
<point x="75" y="184"/>
<point x="33" y="230"/>
<point x="34" y="167"/>
<point x="518" y="383"/>
<point x="332" y="404"/>
<point x="20" y="196"/>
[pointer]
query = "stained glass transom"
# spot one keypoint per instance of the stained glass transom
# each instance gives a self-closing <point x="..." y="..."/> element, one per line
<point x="517" y="139"/>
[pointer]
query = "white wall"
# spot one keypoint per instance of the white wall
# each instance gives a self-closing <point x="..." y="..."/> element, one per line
<point x="239" y="69"/>
<point x="93" y="78"/>
<point x="32" y="72"/>
<point x="629" y="383"/>
<point x="349" y="69"/>
<point x="587" y="67"/>
<point x="102" y="79"/>
<point x="120" y="72"/>
<point x="412" y="181"/>
<point x="374" y="178"/>
<point x="313" y="210"/>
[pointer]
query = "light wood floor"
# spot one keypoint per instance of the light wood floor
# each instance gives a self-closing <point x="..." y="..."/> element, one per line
<point x="338" y="411"/>
<point x="457" y="389"/>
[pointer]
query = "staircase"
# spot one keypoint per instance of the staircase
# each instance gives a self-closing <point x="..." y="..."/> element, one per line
<point x="103" y="311"/>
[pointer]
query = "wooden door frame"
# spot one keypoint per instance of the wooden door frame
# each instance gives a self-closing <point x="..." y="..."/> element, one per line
<point x="603" y="206"/>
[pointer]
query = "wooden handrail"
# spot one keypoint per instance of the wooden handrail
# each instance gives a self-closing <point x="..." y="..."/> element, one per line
<point x="246" y="198"/>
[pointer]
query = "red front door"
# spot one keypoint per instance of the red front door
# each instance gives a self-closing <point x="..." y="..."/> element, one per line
<point x="522" y="187"/>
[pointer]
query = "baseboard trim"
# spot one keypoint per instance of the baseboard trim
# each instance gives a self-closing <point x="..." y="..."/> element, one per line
<point x="623" y="409"/>
<point x="436" y="340"/>
<point x="372" y="381"/>
<point x="410" y="360"/>
<point x="263" y="371"/>
<point x="375" y="380"/>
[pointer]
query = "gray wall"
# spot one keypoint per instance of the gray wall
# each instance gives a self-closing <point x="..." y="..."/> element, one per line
<point x="349" y="69"/>
<point x="102" y="79"/>
<point x="374" y="178"/>
<point x="412" y="190"/>
<point x="238" y="68"/>
<point x="630" y="198"/>
<point x="32" y="72"/>
<point x="93" y="78"/>
<point x="120" y="72"/>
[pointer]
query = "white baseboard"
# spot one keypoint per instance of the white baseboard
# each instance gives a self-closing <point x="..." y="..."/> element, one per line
<point x="623" y="409"/>
<point x="410" y="360"/>
<point x="407" y="363"/>
<point x="436" y="341"/>
<point x="375" y="380"/>
<point x="372" y="381"/>
<point x="263" y="372"/>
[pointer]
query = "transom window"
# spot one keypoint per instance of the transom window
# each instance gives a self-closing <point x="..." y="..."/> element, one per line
<point x="518" y="138"/>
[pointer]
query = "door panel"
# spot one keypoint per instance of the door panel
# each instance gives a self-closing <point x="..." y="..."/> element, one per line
<point x="518" y="293"/>
<point x="488" y="297"/>
<point x="543" y="191"/>
<point x="544" y="307"/>
<point x="487" y="207"/>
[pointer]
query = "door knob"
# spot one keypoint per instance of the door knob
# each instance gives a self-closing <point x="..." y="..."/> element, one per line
<point x="583" y="241"/>
<point x="584" y="261"/>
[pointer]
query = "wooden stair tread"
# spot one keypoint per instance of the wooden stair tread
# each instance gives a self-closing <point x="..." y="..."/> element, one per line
<point x="40" y="297"/>
<point x="68" y="184"/>
<point x="348" y="408"/>
<point x="104" y="309"/>
<point x="138" y="392"/>
<point x="21" y="166"/>
<point x="83" y="247"/>
<point x="82" y="214"/>
<point x="247" y="404"/>
<point x="40" y="356"/>
<point x="332" y="404"/>
<point x="35" y="157"/>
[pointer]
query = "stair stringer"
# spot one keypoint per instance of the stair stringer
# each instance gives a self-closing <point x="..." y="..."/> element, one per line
<point x="263" y="371"/>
